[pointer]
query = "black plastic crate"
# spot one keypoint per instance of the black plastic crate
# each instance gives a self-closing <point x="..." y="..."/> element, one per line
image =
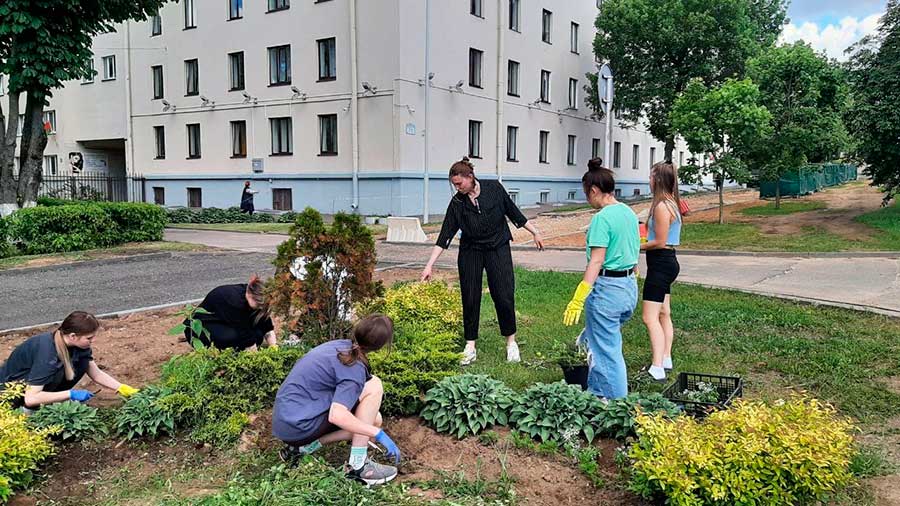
<point x="728" y="388"/>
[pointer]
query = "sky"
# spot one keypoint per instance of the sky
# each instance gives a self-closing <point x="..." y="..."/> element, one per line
<point x="832" y="25"/>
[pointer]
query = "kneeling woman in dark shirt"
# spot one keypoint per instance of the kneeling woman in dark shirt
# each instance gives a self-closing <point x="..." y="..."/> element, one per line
<point x="50" y="364"/>
<point x="330" y="395"/>
<point x="238" y="317"/>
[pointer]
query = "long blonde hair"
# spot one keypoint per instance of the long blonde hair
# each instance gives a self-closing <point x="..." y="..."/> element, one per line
<point x="665" y="186"/>
<point x="79" y="323"/>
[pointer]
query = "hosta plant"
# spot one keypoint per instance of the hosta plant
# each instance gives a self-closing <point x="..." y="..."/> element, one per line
<point x="616" y="419"/>
<point x="467" y="404"/>
<point x="143" y="415"/>
<point x="74" y="421"/>
<point x="549" y="410"/>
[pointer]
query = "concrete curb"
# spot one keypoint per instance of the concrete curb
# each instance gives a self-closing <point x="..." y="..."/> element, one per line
<point x="115" y="260"/>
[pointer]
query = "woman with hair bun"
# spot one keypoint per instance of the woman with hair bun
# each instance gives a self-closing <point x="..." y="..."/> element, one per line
<point x="237" y="317"/>
<point x="480" y="210"/>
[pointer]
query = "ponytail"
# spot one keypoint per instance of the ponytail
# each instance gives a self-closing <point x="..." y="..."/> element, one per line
<point x="369" y="334"/>
<point x="256" y="290"/>
<point x="63" y="352"/>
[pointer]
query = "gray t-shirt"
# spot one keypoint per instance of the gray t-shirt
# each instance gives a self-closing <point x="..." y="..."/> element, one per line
<point x="36" y="363"/>
<point x="317" y="380"/>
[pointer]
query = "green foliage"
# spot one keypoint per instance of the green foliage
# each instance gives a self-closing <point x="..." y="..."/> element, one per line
<point x="187" y="313"/>
<point x="21" y="446"/>
<point x="870" y="461"/>
<point x="62" y="228"/>
<point x="569" y="354"/>
<point x="705" y="392"/>
<point x="656" y="47"/>
<point x="616" y="418"/>
<point x="288" y="217"/>
<point x="143" y="414"/>
<point x="7" y="248"/>
<point x="432" y="307"/>
<point x="488" y="438"/>
<point x="476" y="491"/>
<point x="550" y="410"/>
<point x="137" y="221"/>
<point x="320" y="273"/>
<point x="586" y="458"/>
<point x="75" y="421"/>
<point x="467" y="404"/>
<point x="407" y="374"/>
<point x="212" y="391"/>
<point x="798" y="452"/>
<point x="216" y="215"/>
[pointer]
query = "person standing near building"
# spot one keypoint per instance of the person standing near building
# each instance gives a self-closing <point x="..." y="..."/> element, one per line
<point x="480" y="209"/>
<point x="247" y="198"/>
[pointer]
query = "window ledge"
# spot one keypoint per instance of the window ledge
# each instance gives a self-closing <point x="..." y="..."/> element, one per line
<point x="275" y="85"/>
<point x="189" y="28"/>
<point x="279" y="9"/>
<point x="237" y="157"/>
<point x="328" y="154"/>
<point x="289" y="153"/>
<point x="326" y="79"/>
<point x="195" y="157"/>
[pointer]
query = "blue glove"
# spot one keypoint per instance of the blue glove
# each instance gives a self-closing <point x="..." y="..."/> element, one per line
<point x="80" y="395"/>
<point x="389" y="446"/>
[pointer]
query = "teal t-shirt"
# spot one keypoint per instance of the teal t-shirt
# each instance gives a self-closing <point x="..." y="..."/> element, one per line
<point x="616" y="229"/>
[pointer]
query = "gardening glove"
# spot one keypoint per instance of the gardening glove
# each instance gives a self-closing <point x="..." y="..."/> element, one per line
<point x="389" y="446"/>
<point x="80" y="395"/>
<point x="127" y="391"/>
<point x="576" y="305"/>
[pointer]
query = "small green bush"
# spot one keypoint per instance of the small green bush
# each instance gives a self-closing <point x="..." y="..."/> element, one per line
<point x="616" y="418"/>
<point x="432" y="307"/>
<point x="53" y="201"/>
<point x="21" y="446"/>
<point x="288" y="217"/>
<point x="795" y="452"/>
<point x="144" y="415"/>
<point x="468" y="404"/>
<point x="552" y="411"/>
<point x="75" y="421"/>
<point x="137" y="221"/>
<point x="62" y="228"/>
<point x="182" y="215"/>
<point x="408" y="374"/>
<point x="7" y="248"/>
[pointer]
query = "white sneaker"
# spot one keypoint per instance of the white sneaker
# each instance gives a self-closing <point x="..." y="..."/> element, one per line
<point x="512" y="352"/>
<point x="469" y="356"/>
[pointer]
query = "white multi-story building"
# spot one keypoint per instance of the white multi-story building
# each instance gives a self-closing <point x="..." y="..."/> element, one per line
<point x="325" y="103"/>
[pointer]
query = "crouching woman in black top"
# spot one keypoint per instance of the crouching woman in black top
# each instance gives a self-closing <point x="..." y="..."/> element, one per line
<point x="238" y="317"/>
<point x="480" y="209"/>
<point x="50" y="364"/>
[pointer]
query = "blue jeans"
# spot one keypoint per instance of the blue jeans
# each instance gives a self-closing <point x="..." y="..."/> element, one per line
<point x="609" y="305"/>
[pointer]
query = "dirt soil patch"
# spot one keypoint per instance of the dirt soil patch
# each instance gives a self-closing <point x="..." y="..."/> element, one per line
<point x="391" y="276"/>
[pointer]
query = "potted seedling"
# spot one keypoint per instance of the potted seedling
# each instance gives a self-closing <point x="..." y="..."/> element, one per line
<point x="572" y="359"/>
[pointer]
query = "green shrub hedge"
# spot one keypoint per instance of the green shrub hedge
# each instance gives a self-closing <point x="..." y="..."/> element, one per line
<point x="137" y="221"/>
<point x="229" y="215"/>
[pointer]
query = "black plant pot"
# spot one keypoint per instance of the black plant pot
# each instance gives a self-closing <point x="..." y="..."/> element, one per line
<point x="576" y="375"/>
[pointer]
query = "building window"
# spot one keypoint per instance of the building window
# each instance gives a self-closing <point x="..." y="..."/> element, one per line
<point x="573" y="38"/>
<point x="512" y="136"/>
<point x="282" y="199"/>
<point x="570" y="150"/>
<point x="572" y="195"/>
<point x="157" y="72"/>
<point x="680" y="158"/>
<point x="542" y="146"/>
<point x="637" y="192"/>
<point x="235" y="9"/>
<point x="50" y="165"/>
<point x="512" y="82"/>
<point x="238" y="139"/>
<point x="86" y="80"/>
<point x="190" y="20"/>
<point x="159" y="195"/>
<point x="159" y="134"/>
<point x="474" y="139"/>
<point x="617" y="155"/>
<point x="191" y="77"/>
<point x="236" y="70"/>
<point x="635" y="156"/>
<point x="652" y="156"/>
<point x="475" y="57"/>
<point x="279" y="65"/>
<point x="545" y="86"/>
<point x="544" y="197"/>
<point x="282" y="136"/>
<point x="279" y="5"/>
<point x="573" y="93"/>
<point x="193" y="133"/>
<point x="109" y="67"/>
<point x="327" y="60"/>
<point x="475" y="8"/>
<point x="328" y="134"/>
<point x="49" y="120"/>
<point x="546" y="25"/>
<point x="195" y="197"/>
<point x="514" y="15"/>
<point x="156" y="25"/>
<point x="595" y="148"/>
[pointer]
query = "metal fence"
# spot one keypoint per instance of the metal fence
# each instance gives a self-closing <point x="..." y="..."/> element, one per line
<point x="90" y="186"/>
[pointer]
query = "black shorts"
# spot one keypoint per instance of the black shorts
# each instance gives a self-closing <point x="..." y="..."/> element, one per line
<point x="324" y="428"/>
<point x="662" y="269"/>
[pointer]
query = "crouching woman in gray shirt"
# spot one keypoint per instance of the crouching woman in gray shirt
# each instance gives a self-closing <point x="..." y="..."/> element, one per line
<point x="330" y="395"/>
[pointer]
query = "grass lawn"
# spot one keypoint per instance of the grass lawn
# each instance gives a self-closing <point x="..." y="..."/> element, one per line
<point x="887" y="221"/>
<point x="747" y="237"/>
<point x="94" y="254"/>
<point x="787" y="207"/>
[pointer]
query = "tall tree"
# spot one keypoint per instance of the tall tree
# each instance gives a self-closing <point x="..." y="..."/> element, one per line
<point x="874" y="115"/>
<point x="656" y="47"/>
<point x="720" y="123"/>
<point x="43" y="44"/>
<point x="807" y="97"/>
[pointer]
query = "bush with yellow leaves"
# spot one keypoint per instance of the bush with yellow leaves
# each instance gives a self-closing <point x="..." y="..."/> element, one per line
<point x="21" y="448"/>
<point x="787" y="453"/>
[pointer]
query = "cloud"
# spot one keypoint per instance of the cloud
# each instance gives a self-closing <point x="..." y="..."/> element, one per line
<point x="814" y="9"/>
<point x="832" y="38"/>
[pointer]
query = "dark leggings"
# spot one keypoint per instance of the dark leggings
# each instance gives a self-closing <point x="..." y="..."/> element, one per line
<point x="501" y="283"/>
<point x="224" y="336"/>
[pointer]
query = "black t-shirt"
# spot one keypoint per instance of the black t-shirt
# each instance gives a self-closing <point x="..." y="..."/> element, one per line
<point x="483" y="226"/>
<point x="37" y="364"/>
<point x="228" y="305"/>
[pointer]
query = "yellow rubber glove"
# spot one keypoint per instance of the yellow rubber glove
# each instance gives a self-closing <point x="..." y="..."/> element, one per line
<point x="127" y="391"/>
<point x="576" y="305"/>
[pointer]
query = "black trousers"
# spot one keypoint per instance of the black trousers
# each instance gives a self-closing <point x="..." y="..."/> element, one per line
<point x="224" y="336"/>
<point x="501" y="283"/>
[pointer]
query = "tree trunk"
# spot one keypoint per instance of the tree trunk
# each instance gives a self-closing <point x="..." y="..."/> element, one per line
<point x="778" y="192"/>
<point x="670" y="148"/>
<point x="722" y="199"/>
<point x="8" y="127"/>
<point x="34" y="140"/>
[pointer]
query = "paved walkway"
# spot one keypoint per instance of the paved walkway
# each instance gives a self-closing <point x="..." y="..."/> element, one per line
<point x="870" y="283"/>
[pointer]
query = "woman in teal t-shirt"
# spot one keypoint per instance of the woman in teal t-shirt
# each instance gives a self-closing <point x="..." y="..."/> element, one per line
<point x="608" y="292"/>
